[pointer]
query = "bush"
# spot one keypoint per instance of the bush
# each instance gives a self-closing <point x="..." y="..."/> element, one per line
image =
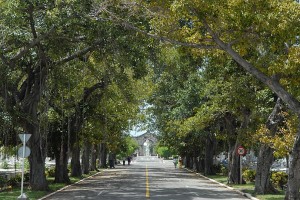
<point x="279" y="179"/>
<point x="217" y="168"/>
<point x="3" y="181"/>
<point x="14" y="181"/>
<point x="224" y="170"/>
<point x="50" y="172"/>
<point x="26" y="176"/>
<point x="26" y="164"/>
<point x="249" y="175"/>
<point x="5" y="165"/>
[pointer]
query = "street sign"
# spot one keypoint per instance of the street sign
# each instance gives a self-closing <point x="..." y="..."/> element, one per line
<point x="241" y="151"/>
<point x="21" y="150"/>
<point x="24" y="137"/>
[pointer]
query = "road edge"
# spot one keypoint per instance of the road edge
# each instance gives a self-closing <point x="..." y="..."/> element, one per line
<point x="63" y="188"/>
<point x="249" y="196"/>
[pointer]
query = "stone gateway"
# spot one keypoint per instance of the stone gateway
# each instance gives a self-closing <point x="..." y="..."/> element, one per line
<point x="146" y="142"/>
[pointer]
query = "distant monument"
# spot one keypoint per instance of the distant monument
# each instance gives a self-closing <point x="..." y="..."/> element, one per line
<point x="146" y="143"/>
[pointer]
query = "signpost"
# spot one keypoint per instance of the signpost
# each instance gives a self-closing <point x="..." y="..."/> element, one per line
<point x="23" y="152"/>
<point x="241" y="151"/>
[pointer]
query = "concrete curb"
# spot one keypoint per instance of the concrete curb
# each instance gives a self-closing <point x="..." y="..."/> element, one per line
<point x="48" y="195"/>
<point x="231" y="188"/>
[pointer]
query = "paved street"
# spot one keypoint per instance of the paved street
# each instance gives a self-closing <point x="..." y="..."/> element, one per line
<point x="146" y="179"/>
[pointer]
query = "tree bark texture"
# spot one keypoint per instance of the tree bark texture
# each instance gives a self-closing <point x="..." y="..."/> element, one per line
<point x="102" y="155"/>
<point x="93" y="162"/>
<point x="61" y="165"/>
<point x="266" y="157"/>
<point x="187" y="161"/>
<point x="233" y="165"/>
<point x="196" y="163"/>
<point x="59" y="144"/>
<point x="37" y="156"/>
<point x="75" y="162"/>
<point x="292" y="192"/>
<point x="233" y="158"/>
<point x="262" y="177"/>
<point x="37" y="162"/>
<point x="201" y="164"/>
<point x="209" y="155"/>
<point x="86" y="157"/>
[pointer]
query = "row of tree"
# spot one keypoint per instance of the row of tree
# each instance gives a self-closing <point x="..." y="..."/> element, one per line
<point x="80" y="64"/>
<point x="72" y="80"/>
<point x="214" y="107"/>
<point x="208" y="94"/>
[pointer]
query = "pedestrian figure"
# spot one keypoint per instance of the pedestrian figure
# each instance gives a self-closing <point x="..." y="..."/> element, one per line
<point x="124" y="160"/>
<point x="175" y="161"/>
<point x="111" y="160"/>
<point x="129" y="160"/>
<point x="180" y="162"/>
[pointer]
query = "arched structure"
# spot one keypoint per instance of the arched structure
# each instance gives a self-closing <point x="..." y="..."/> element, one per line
<point x="146" y="143"/>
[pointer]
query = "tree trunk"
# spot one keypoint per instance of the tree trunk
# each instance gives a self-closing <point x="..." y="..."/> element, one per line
<point x="61" y="165"/>
<point x="86" y="158"/>
<point x="233" y="166"/>
<point x="192" y="161"/>
<point x="75" y="162"/>
<point x="201" y="165"/>
<point x="265" y="157"/>
<point x="37" y="162"/>
<point x="233" y="158"/>
<point x="93" y="164"/>
<point x="262" y="177"/>
<point x="103" y="155"/>
<point x="196" y="163"/>
<point x="37" y="156"/>
<point x="209" y="155"/>
<point x="187" y="161"/>
<point x="292" y="192"/>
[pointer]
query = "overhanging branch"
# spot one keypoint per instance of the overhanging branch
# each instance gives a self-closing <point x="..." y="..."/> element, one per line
<point x="165" y="39"/>
<point x="274" y="85"/>
<point x="30" y="45"/>
<point x="77" y="54"/>
<point x="127" y="25"/>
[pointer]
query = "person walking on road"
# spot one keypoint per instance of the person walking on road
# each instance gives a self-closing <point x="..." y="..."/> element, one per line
<point x="175" y="161"/>
<point x="129" y="160"/>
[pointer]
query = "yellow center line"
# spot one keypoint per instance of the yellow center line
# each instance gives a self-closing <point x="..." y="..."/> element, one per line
<point x="147" y="183"/>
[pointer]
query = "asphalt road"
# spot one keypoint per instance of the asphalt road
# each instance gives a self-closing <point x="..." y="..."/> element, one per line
<point x="146" y="179"/>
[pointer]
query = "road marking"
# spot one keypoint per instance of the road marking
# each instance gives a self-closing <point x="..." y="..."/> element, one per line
<point x="147" y="183"/>
<point x="100" y="193"/>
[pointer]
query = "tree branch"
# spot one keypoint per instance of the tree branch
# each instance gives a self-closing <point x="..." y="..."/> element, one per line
<point x="129" y="26"/>
<point x="274" y="85"/>
<point x="78" y="54"/>
<point x="88" y="91"/>
<point x="165" y="39"/>
<point x="33" y="43"/>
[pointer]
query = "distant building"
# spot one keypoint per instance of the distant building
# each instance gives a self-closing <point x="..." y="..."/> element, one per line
<point x="146" y="143"/>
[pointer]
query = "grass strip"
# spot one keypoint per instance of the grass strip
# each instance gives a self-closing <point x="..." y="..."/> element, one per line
<point x="248" y="188"/>
<point x="14" y="193"/>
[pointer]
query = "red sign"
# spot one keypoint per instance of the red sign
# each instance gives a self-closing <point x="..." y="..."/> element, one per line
<point x="241" y="151"/>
